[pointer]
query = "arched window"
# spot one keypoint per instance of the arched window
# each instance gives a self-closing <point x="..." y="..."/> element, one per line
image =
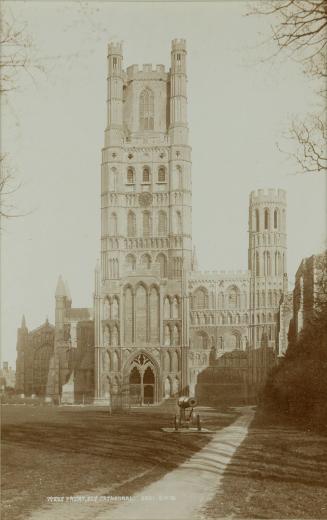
<point x="130" y="176"/>
<point x="175" y="308"/>
<point x="233" y="297"/>
<point x="114" y="268"/>
<point x="114" y="336"/>
<point x="146" y="261"/>
<point x="179" y="177"/>
<point x="113" y="224"/>
<point x="178" y="222"/>
<point x="176" y="335"/>
<point x="167" y="336"/>
<point x="146" y="110"/>
<point x="106" y="309"/>
<point x="146" y="174"/>
<point x="166" y="309"/>
<point x="177" y="267"/>
<point x="266" y="218"/>
<point x="162" y="223"/>
<point x="146" y="224"/>
<point x="113" y="179"/>
<point x="162" y="260"/>
<point x="268" y="263"/>
<point x="276" y="218"/>
<point x="257" y="220"/>
<point x="162" y="174"/>
<point x="131" y="224"/>
<point x="130" y="262"/>
<point x="200" y="299"/>
<point x="114" y="309"/>
<point x="257" y="264"/>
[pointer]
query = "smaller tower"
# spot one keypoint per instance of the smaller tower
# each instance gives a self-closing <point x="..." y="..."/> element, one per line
<point x="267" y="262"/>
<point x="114" y="130"/>
<point x="178" y="95"/>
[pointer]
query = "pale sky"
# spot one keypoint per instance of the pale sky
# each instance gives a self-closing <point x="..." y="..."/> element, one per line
<point x="240" y="106"/>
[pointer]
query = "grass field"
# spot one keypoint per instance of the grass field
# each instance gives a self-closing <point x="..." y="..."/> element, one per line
<point x="61" y="451"/>
<point x="278" y="472"/>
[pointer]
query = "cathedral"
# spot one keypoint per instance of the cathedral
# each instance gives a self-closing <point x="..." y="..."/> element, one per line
<point x="159" y="327"/>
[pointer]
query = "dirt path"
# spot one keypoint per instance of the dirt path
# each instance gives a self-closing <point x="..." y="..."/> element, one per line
<point x="179" y="495"/>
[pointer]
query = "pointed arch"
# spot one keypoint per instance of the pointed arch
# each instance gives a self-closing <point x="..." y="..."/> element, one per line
<point x="113" y="224"/>
<point x="200" y="298"/>
<point x="106" y="309"/>
<point x="257" y="220"/>
<point x="276" y="218"/>
<point x="167" y="338"/>
<point x="175" y="306"/>
<point x="130" y="262"/>
<point x="114" y="336"/>
<point x="106" y="361"/>
<point x="106" y="336"/>
<point x="146" y="110"/>
<point x="162" y="223"/>
<point x="178" y="222"/>
<point x="115" y="309"/>
<point x="146" y="260"/>
<point x="166" y="308"/>
<point x="176" y="336"/>
<point x="141" y="313"/>
<point x="162" y="174"/>
<point x="146" y="174"/>
<point x="129" y="321"/>
<point x="154" y="314"/>
<point x="162" y="260"/>
<point x="146" y="223"/>
<point x="266" y="218"/>
<point x="131" y="224"/>
<point x="130" y="175"/>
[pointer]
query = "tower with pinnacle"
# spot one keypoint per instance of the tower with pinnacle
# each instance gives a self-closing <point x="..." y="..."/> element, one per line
<point x="146" y="243"/>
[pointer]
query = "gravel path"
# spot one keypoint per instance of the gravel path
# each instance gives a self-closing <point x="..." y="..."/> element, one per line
<point x="179" y="495"/>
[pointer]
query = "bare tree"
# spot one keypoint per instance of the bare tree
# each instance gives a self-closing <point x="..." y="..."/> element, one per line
<point x="17" y="59"/>
<point x="299" y="28"/>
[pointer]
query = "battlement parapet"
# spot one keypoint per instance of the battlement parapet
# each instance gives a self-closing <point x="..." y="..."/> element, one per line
<point x="268" y="195"/>
<point x="200" y="276"/>
<point x="115" y="48"/>
<point x="178" y="44"/>
<point x="147" y="71"/>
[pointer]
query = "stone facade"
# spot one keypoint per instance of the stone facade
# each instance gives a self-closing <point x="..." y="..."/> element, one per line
<point x="298" y="308"/>
<point x="49" y="355"/>
<point x="162" y="327"/>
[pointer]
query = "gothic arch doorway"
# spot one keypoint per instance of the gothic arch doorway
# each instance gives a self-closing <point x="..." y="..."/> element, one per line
<point x="142" y="381"/>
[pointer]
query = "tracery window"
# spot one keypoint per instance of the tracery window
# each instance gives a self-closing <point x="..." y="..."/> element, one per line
<point x="146" y="174"/>
<point x="130" y="176"/>
<point x="131" y="224"/>
<point x="162" y="223"/>
<point x="276" y="219"/>
<point x="146" y="110"/>
<point x="162" y="174"/>
<point x="146" y="224"/>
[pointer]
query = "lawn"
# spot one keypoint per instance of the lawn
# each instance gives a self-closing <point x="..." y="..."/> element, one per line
<point x="61" y="451"/>
<point x="278" y="472"/>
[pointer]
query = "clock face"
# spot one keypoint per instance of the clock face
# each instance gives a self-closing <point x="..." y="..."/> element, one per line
<point x="145" y="199"/>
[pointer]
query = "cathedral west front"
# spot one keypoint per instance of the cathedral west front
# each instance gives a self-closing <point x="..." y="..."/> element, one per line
<point x="159" y="327"/>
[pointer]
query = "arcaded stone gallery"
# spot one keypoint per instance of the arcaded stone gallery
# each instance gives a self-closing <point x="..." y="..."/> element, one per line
<point x="159" y="327"/>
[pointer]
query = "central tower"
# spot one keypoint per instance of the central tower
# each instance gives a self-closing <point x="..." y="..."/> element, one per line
<point x="146" y="242"/>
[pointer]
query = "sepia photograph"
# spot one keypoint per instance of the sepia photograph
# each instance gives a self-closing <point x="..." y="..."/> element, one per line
<point x="163" y="295"/>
